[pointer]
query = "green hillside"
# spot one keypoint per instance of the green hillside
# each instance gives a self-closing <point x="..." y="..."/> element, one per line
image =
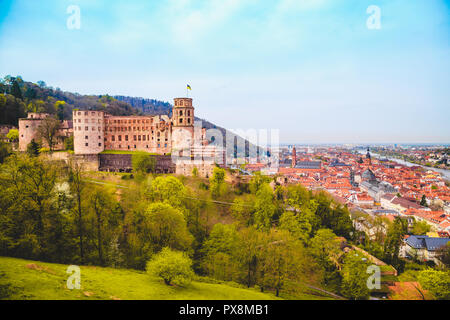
<point x="24" y="279"/>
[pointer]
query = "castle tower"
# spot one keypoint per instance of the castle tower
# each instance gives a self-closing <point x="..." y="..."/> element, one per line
<point x="28" y="128"/>
<point x="182" y="126"/>
<point x="294" y="157"/>
<point x="88" y="132"/>
<point x="368" y="156"/>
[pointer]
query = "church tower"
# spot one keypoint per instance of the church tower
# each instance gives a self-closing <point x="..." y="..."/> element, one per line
<point x="294" y="157"/>
<point x="182" y="126"/>
<point x="368" y="157"/>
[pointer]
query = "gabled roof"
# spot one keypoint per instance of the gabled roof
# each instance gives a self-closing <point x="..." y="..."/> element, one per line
<point x="425" y="242"/>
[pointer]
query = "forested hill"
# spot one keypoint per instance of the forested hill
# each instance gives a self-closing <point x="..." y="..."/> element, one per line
<point x="18" y="97"/>
<point x="147" y="106"/>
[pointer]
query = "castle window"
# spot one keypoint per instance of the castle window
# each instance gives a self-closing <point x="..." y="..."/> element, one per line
<point x="79" y="113"/>
<point x="135" y="146"/>
<point x="128" y="147"/>
<point x="126" y="138"/>
<point x="181" y="120"/>
<point x="86" y="137"/>
<point x="134" y="138"/>
<point x="189" y="120"/>
<point x="146" y="146"/>
<point x="85" y="113"/>
<point x="79" y="128"/>
<point x="181" y="112"/>
<point x="86" y="144"/>
<point x="189" y="113"/>
<point x="159" y="146"/>
<point x="143" y="138"/>
<point x="165" y="145"/>
<point x="99" y="137"/>
<point x="99" y="144"/>
<point x="113" y="138"/>
<point x="86" y="128"/>
<point x="120" y="138"/>
<point x="99" y="129"/>
<point x="139" y="137"/>
<point x="93" y="128"/>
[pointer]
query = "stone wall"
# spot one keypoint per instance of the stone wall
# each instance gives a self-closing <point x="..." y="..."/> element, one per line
<point x="123" y="163"/>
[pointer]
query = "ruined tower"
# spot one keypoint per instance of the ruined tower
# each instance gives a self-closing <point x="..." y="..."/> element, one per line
<point x="88" y="131"/>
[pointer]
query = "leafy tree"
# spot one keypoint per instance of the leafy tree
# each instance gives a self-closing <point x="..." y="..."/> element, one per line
<point x="166" y="227"/>
<point x="59" y="107"/>
<point x="281" y="261"/>
<point x="437" y="282"/>
<point x="242" y="211"/>
<point x="264" y="208"/>
<point x="172" y="266"/>
<point x="420" y="228"/>
<point x="167" y="189"/>
<point x="48" y="131"/>
<point x="68" y="144"/>
<point x="27" y="194"/>
<point x="394" y="238"/>
<point x="13" y="135"/>
<point x="248" y="253"/>
<point x="15" y="90"/>
<point x="219" y="251"/>
<point x="257" y="181"/>
<point x="100" y="203"/>
<point x="143" y="163"/>
<point x="298" y="224"/>
<point x="4" y="151"/>
<point x="354" y="277"/>
<point x="77" y="188"/>
<point x="216" y="181"/>
<point x="33" y="148"/>
<point x="325" y="247"/>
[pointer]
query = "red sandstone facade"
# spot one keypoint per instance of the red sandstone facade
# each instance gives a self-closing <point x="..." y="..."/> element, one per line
<point x="96" y="131"/>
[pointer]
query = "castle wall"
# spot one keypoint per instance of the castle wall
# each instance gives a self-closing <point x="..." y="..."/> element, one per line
<point x="124" y="163"/>
<point x="150" y="134"/>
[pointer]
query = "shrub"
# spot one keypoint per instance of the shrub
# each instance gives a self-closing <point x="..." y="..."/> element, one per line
<point x="174" y="267"/>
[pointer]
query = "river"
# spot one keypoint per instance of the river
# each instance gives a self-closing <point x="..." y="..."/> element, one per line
<point x="444" y="172"/>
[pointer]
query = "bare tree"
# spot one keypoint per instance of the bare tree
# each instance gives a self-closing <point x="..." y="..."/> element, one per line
<point x="48" y="130"/>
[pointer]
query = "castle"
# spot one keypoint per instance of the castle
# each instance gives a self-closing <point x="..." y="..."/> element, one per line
<point x="96" y="131"/>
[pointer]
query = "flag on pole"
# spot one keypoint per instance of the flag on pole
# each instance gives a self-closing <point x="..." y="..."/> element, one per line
<point x="188" y="87"/>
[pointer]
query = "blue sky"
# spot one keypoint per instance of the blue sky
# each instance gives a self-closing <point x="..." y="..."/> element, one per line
<point x="310" y="68"/>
